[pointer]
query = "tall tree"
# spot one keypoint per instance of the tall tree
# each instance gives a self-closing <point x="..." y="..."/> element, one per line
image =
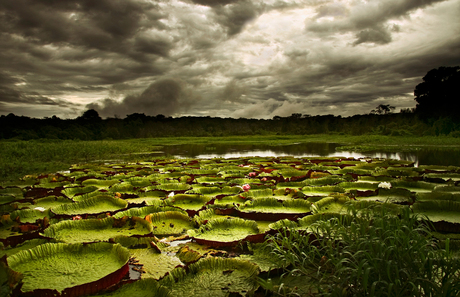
<point x="383" y="109"/>
<point x="439" y="93"/>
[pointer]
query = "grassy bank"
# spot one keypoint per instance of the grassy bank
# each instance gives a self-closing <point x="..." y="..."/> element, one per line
<point x="19" y="158"/>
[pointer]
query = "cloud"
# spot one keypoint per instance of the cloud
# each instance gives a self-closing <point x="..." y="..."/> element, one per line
<point x="166" y="97"/>
<point x="233" y="92"/>
<point x="378" y="35"/>
<point x="366" y="18"/>
<point x="236" y="15"/>
<point x="246" y="58"/>
<point x="213" y="3"/>
<point x="269" y="108"/>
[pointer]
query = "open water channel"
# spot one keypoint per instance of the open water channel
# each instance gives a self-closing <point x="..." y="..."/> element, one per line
<point x="447" y="156"/>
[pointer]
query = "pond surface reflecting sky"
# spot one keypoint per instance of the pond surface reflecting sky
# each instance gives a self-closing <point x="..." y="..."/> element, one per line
<point x="429" y="156"/>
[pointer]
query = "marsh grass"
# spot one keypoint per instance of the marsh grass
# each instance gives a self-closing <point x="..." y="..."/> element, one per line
<point x="367" y="254"/>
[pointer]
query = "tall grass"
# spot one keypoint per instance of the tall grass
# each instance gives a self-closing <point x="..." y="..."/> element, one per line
<point x="369" y="255"/>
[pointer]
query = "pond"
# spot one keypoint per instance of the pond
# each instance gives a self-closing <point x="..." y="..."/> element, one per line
<point x="425" y="156"/>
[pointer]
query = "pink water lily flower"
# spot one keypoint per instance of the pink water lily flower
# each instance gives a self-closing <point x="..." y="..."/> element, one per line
<point x="252" y="174"/>
<point x="76" y="218"/>
<point x="246" y="187"/>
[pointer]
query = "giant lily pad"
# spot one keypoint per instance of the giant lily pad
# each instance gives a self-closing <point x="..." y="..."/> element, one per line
<point x="170" y="223"/>
<point x="29" y="215"/>
<point x="143" y="211"/>
<point x="72" y="269"/>
<point x="438" y="210"/>
<point x="91" y="230"/>
<point x="100" y="183"/>
<point x="155" y="264"/>
<point x="142" y="288"/>
<point x="94" y="205"/>
<point x="224" y="232"/>
<point x="188" y="201"/>
<point x="214" y="277"/>
<point x="270" y="209"/>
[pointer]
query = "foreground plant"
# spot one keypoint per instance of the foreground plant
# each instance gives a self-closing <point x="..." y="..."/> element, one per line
<point x="367" y="254"/>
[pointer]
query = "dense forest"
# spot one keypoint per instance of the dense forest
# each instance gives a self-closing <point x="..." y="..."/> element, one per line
<point x="91" y="127"/>
<point x="437" y="113"/>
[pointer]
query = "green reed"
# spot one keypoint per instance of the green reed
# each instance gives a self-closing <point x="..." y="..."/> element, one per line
<point x="368" y="254"/>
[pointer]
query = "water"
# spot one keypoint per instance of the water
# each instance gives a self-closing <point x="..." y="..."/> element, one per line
<point x="426" y="156"/>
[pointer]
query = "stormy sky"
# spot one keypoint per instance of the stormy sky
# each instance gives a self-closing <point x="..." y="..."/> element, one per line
<point x="220" y="58"/>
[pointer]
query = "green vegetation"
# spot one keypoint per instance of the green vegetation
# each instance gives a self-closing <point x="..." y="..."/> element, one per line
<point x="20" y="158"/>
<point x="60" y="266"/>
<point x="275" y="226"/>
<point x="365" y="254"/>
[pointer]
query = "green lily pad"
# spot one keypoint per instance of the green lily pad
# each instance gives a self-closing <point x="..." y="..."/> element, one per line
<point x="5" y="199"/>
<point x="29" y="215"/>
<point x="142" y="288"/>
<point x="155" y="264"/>
<point x="170" y="223"/>
<point x="214" y="277"/>
<point x="100" y="183"/>
<point x="94" y="205"/>
<point x="437" y="195"/>
<point x="91" y="230"/>
<point x="8" y="251"/>
<point x="123" y="187"/>
<point x="188" y="201"/>
<point x="257" y="194"/>
<point x="68" y="265"/>
<point x="322" y="190"/>
<point x="417" y="187"/>
<point x="225" y="230"/>
<point x="51" y="201"/>
<point x="395" y="195"/>
<point x="438" y="210"/>
<point x="272" y="205"/>
<point x="170" y="187"/>
<point x="360" y="186"/>
<point x="144" y="211"/>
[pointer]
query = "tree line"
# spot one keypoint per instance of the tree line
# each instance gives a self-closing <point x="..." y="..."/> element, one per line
<point x="142" y="126"/>
<point x="437" y="113"/>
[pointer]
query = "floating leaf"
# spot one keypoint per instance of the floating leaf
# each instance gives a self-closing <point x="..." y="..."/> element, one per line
<point x="94" y="205"/>
<point x="91" y="230"/>
<point x="170" y="223"/>
<point x="214" y="277"/>
<point x="224" y="231"/>
<point x="70" y="268"/>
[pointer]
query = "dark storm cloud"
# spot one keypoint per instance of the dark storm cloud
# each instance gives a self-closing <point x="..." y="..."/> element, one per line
<point x="66" y="33"/>
<point x="367" y="19"/>
<point x="378" y="34"/>
<point x="236" y="15"/>
<point x="243" y="57"/>
<point x="233" y="92"/>
<point x="214" y="2"/>
<point x="94" y="24"/>
<point x="166" y="97"/>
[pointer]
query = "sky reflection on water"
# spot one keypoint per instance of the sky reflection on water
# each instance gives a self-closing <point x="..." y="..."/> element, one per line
<point x="429" y="156"/>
